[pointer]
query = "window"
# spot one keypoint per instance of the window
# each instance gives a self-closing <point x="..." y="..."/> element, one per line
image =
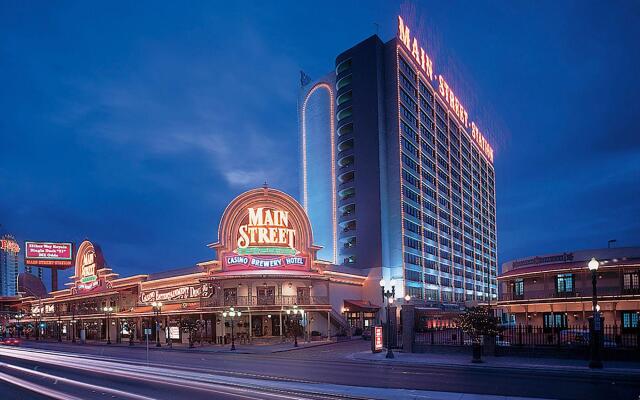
<point x="343" y="98"/>
<point x="344" y="114"/>
<point x="518" y="287"/>
<point x="343" y="82"/>
<point x="631" y="281"/>
<point x="343" y="66"/>
<point x="551" y="320"/>
<point x="630" y="319"/>
<point x="564" y="283"/>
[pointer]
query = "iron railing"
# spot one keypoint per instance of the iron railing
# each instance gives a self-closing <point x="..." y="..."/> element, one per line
<point x="529" y="336"/>
<point x="240" y="301"/>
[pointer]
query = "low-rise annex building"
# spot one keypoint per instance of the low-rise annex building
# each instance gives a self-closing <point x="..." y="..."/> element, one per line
<point x="265" y="265"/>
<point x="555" y="291"/>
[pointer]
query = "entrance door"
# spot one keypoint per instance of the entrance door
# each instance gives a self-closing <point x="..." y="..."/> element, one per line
<point x="266" y="295"/>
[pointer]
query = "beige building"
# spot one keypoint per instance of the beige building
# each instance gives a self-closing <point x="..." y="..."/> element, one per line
<point x="555" y="291"/>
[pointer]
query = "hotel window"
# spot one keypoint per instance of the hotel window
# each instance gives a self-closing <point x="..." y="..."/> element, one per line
<point x="564" y="283"/>
<point x="631" y="281"/>
<point x="630" y="319"/>
<point x="551" y="320"/>
<point x="343" y="66"/>
<point x="518" y="287"/>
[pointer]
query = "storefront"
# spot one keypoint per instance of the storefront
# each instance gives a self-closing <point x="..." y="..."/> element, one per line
<point x="265" y="268"/>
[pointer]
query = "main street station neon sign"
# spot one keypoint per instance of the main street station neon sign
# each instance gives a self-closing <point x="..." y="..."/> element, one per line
<point x="266" y="232"/>
<point x="423" y="60"/>
<point x="265" y="239"/>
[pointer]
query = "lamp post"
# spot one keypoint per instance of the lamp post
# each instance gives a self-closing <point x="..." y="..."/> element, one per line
<point x="107" y="312"/>
<point x="157" y="308"/>
<point x="36" y="317"/>
<point x="18" y="317"/>
<point x="73" y="323"/>
<point x="297" y="314"/>
<point x="596" y="326"/>
<point x="59" y="329"/>
<point x="232" y="314"/>
<point x="388" y="296"/>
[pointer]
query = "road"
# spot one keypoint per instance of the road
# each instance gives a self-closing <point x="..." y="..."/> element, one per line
<point x="121" y="371"/>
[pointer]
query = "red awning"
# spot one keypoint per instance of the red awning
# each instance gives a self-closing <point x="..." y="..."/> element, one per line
<point x="360" y="305"/>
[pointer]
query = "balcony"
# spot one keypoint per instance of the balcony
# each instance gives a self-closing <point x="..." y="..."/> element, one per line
<point x="579" y="293"/>
<point x="248" y="301"/>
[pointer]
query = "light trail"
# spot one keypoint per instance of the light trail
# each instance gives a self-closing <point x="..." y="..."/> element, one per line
<point x="152" y="376"/>
<point x="104" y="389"/>
<point x="43" y="390"/>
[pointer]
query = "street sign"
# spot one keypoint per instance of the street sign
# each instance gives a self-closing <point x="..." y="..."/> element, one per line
<point x="376" y="340"/>
<point x="147" y="331"/>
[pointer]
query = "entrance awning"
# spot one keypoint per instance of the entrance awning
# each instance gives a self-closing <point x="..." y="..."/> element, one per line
<point x="360" y="305"/>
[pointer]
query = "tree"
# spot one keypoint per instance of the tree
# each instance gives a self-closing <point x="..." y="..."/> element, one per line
<point x="190" y="325"/>
<point x="478" y="322"/>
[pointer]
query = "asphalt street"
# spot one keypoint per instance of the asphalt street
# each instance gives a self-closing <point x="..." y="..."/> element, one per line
<point x="323" y="364"/>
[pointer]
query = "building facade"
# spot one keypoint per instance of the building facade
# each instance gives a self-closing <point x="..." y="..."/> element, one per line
<point x="414" y="189"/>
<point x="9" y="261"/>
<point x="555" y="291"/>
<point x="265" y="266"/>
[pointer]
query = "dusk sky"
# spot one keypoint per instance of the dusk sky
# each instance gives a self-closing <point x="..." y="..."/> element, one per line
<point x="134" y="124"/>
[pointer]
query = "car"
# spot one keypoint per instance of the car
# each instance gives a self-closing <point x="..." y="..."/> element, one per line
<point x="10" y="341"/>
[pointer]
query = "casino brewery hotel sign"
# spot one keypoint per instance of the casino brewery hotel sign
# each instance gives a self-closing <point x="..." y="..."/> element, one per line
<point x="265" y="229"/>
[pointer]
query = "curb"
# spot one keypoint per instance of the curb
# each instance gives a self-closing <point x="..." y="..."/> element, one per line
<point x="626" y="372"/>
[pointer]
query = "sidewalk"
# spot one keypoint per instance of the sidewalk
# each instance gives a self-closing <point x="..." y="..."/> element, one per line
<point x="207" y="348"/>
<point x="513" y="363"/>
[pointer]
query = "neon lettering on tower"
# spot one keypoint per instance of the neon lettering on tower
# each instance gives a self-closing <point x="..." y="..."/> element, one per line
<point x="424" y="62"/>
<point x="418" y="53"/>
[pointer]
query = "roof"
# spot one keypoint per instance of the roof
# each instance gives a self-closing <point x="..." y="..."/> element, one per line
<point x="566" y="266"/>
<point x="175" y="272"/>
<point x="361" y="305"/>
<point x="347" y="270"/>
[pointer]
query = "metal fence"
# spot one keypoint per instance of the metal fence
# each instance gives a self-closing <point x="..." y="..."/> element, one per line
<point x="572" y="336"/>
<point x="614" y="337"/>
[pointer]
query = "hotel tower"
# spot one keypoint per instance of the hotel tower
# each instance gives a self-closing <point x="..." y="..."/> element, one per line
<point x="396" y="174"/>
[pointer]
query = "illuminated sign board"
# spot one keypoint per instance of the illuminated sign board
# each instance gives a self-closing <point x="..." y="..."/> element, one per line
<point x="177" y="294"/>
<point x="264" y="229"/>
<point x="48" y="253"/>
<point x="376" y="339"/>
<point x="9" y="245"/>
<point x="418" y="53"/>
<point x="265" y="239"/>
<point x="90" y="269"/>
<point x="422" y="59"/>
<point x="267" y="231"/>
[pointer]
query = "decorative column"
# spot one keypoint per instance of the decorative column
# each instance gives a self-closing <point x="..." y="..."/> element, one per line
<point x="250" y="327"/>
<point x="281" y="327"/>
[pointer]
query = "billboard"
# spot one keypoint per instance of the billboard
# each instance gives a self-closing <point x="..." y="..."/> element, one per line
<point x="51" y="254"/>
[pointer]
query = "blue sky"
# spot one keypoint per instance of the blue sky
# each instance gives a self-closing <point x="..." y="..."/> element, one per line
<point x="134" y="124"/>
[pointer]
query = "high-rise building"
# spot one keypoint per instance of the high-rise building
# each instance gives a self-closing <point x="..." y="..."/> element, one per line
<point x="396" y="175"/>
<point x="9" y="250"/>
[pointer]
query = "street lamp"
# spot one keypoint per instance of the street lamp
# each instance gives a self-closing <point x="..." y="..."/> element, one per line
<point x="157" y="308"/>
<point x="36" y="317"/>
<point x="59" y="329"/>
<point x="297" y="314"/>
<point x="107" y="311"/>
<point x="232" y="314"/>
<point x="595" y="361"/>
<point x="18" y="317"/>
<point x="388" y="295"/>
